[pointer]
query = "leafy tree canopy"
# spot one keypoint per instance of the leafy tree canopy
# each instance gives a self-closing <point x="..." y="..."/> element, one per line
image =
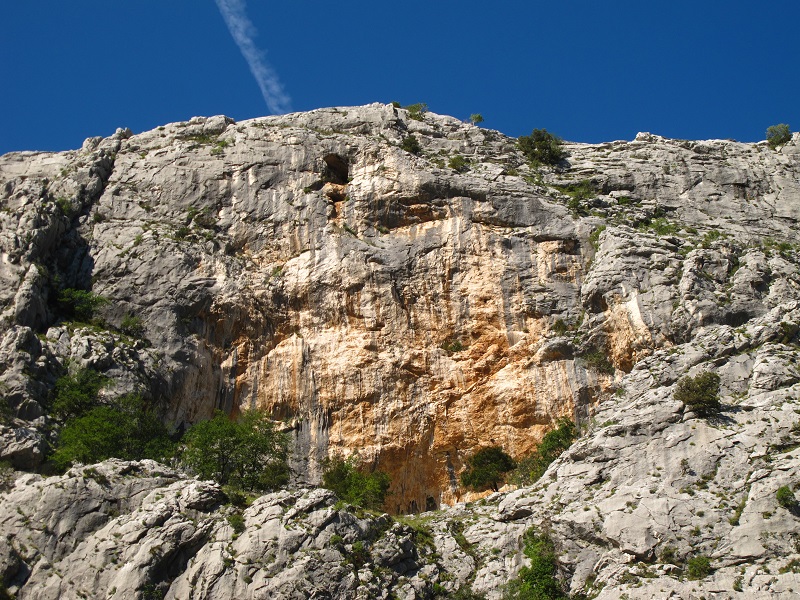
<point x="80" y="304"/>
<point x="487" y="468"/>
<point x="76" y="394"/>
<point x="126" y="429"/>
<point x="700" y="394"/>
<point x="532" y="467"/>
<point x="249" y="453"/>
<point x="778" y="135"/>
<point x="541" y="147"/>
<point x="353" y="483"/>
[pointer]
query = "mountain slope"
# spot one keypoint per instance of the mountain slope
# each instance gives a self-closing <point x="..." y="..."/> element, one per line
<point x="386" y="302"/>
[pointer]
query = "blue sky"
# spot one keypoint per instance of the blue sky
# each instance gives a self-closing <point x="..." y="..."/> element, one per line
<point x="586" y="70"/>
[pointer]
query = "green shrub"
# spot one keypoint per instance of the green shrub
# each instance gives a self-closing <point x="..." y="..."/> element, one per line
<point x="541" y="147"/>
<point x="236" y="521"/>
<point x="594" y="237"/>
<point x="358" y="555"/>
<point x="411" y="144"/>
<point x="778" y="135"/>
<point x="598" y="360"/>
<point x="66" y="207"/>
<point x="698" y="567"/>
<point x="249" y="453"/>
<point x="487" y="468"/>
<point x="451" y="346"/>
<point x="352" y="483"/>
<point x="6" y="476"/>
<point x="553" y="444"/>
<point x="459" y="164"/>
<point x="79" y="305"/>
<point x="786" y="498"/>
<point x="560" y="327"/>
<point x="128" y="429"/>
<point x="132" y="325"/>
<point x="417" y="111"/>
<point x="537" y="582"/>
<point x="476" y="118"/>
<point x="76" y="394"/>
<point x="700" y="394"/>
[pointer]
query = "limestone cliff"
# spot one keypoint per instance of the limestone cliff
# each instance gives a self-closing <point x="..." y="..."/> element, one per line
<point x="376" y="300"/>
<point x="411" y="307"/>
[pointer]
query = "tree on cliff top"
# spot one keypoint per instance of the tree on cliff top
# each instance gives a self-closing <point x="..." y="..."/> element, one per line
<point x="249" y="453"/>
<point x="778" y="135"/>
<point x="487" y="468"/>
<point x="542" y="147"/>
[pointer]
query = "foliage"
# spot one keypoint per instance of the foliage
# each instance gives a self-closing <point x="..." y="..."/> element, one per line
<point x="598" y="361"/>
<point x="249" y="453"/>
<point x="128" y="429"/>
<point x="79" y="304"/>
<point x="6" y="476"/>
<point x="465" y="593"/>
<point x="476" y="118"/>
<point x="698" y="567"/>
<point x="553" y="444"/>
<point x="487" y="468"/>
<point x="700" y="394"/>
<point x="451" y="346"/>
<point x="358" y="555"/>
<point x="578" y="192"/>
<point x="411" y="144"/>
<point x="594" y="237"/>
<point x="76" y="394"/>
<point x="236" y="521"/>
<point x="6" y="412"/>
<point x="352" y="483"/>
<point x="778" y="135"/>
<point x="541" y="147"/>
<point x="65" y="206"/>
<point x="537" y="582"/>
<point x="786" y="497"/>
<point x="458" y="163"/>
<point x="132" y="325"/>
<point x="417" y="111"/>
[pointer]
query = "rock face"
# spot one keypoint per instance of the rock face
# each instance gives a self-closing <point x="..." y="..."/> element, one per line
<point x="387" y="303"/>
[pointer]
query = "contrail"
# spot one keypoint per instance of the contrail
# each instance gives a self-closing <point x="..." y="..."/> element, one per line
<point x="244" y="32"/>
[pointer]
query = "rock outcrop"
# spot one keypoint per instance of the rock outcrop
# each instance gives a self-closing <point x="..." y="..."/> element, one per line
<point x="387" y="303"/>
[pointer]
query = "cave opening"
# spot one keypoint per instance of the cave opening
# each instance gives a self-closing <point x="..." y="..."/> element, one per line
<point x="336" y="169"/>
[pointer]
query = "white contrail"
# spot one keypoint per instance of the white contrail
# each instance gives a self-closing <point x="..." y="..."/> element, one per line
<point x="244" y="32"/>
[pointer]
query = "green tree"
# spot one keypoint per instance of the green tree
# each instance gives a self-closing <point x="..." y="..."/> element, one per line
<point x="127" y="429"/>
<point x="786" y="497"/>
<point x="458" y="163"/>
<point x="411" y="144"/>
<point x="348" y="478"/>
<point x="698" y="567"/>
<point x="537" y="582"/>
<point x="487" y="468"/>
<point x="541" y="147"/>
<point x="553" y="444"/>
<point x="700" y="394"/>
<point x="76" y="394"/>
<point x="249" y="453"/>
<point x="778" y="135"/>
<point x="80" y="305"/>
<point x="417" y="111"/>
<point x="476" y="118"/>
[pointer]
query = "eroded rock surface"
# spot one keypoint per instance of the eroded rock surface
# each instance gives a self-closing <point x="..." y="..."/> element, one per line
<point x="383" y="302"/>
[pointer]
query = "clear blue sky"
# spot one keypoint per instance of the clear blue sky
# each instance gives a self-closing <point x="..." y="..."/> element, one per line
<point x="586" y="70"/>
